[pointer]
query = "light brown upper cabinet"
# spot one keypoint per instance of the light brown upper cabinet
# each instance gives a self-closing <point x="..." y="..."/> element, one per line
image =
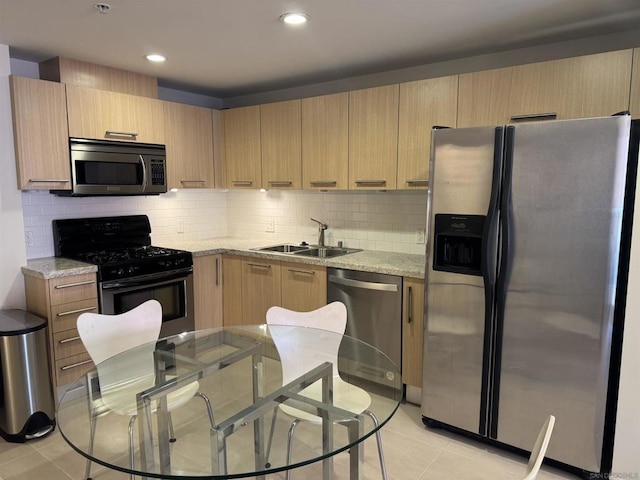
<point x="373" y="138"/>
<point x="219" y="150"/>
<point x="325" y="142"/>
<point x="634" y="104"/>
<point x="242" y="147"/>
<point x="114" y="116"/>
<point x="188" y="133"/>
<point x="423" y="104"/>
<point x="40" y="133"/>
<point x="586" y="86"/>
<point x="281" y="145"/>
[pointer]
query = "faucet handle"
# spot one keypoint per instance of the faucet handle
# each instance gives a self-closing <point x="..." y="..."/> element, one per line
<point x="321" y="225"/>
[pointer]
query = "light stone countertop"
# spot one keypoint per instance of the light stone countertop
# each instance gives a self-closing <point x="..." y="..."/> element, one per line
<point x="391" y="263"/>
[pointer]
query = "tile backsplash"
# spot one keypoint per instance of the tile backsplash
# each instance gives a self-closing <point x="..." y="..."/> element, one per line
<point x="387" y="221"/>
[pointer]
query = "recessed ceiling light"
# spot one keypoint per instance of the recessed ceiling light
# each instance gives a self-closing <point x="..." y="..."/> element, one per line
<point x="156" y="57"/>
<point x="294" y="18"/>
<point x="103" y="7"/>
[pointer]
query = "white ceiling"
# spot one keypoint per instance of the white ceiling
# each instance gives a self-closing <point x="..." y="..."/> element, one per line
<point x="226" y="48"/>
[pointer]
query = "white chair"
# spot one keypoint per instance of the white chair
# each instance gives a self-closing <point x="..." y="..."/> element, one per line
<point x="107" y="335"/>
<point x="539" y="449"/>
<point x="292" y="349"/>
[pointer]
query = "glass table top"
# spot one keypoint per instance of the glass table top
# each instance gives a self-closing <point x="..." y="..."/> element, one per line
<point x="247" y="373"/>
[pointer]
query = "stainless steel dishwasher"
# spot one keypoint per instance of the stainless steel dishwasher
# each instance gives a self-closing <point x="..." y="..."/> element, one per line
<point x="374" y="314"/>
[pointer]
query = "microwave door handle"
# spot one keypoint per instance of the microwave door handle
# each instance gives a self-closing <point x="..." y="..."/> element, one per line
<point x="144" y="172"/>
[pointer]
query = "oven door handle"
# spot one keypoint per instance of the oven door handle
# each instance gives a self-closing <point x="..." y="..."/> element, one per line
<point x="144" y="172"/>
<point x="143" y="280"/>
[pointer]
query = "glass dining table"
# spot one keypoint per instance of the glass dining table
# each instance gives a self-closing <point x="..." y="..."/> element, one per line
<point x="240" y="370"/>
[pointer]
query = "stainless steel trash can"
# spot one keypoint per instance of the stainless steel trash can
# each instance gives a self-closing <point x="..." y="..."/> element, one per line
<point x="27" y="409"/>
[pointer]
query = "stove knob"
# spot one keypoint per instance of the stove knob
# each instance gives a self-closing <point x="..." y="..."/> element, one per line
<point x="132" y="269"/>
<point x="120" y="271"/>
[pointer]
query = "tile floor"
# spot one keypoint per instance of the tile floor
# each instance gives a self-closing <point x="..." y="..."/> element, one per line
<point x="412" y="453"/>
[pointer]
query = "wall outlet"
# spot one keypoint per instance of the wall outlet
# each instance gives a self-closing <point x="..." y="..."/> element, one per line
<point x="420" y="234"/>
<point x="28" y="238"/>
<point x="180" y="226"/>
<point x="271" y="227"/>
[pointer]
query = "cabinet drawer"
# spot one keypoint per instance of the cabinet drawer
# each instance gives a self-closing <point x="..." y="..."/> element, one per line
<point x="69" y="369"/>
<point x="64" y="317"/>
<point x="72" y="289"/>
<point x="67" y="344"/>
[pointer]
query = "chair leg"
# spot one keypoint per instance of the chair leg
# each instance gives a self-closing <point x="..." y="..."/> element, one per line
<point x="383" y="467"/>
<point x="93" y="421"/>
<point x="209" y="409"/>
<point x="292" y="429"/>
<point x="273" y="426"/>
<point x="172" y="434"/>
<point x="132" y="421"/>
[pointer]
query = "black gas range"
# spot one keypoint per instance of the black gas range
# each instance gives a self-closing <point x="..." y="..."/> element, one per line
<point x="130" y="269"/>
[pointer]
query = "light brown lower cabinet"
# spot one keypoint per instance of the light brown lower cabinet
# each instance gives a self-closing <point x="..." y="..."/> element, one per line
<point x="261" y="289"/>
<point x="304" y="287"/>
<point x="412" y="331"/>
<point x="207" y="291"/>
<point x="61" y="301"/>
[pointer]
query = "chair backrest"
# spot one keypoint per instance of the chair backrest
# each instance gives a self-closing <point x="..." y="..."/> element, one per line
<point x="298" y="352"/>
<point x="107" y="335"/>
<point x="540" y="448"/>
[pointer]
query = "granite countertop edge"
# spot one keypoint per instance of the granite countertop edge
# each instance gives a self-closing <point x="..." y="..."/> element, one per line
<point x="391" y="263"/>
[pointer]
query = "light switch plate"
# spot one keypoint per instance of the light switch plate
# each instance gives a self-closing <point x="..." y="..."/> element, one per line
<point x="270" y="225"/>
<point x="180" y="226"/>
<point x="420" y="234"/>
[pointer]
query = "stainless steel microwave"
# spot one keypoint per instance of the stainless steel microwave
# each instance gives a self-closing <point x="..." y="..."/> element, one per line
<point x="100" y="167"/>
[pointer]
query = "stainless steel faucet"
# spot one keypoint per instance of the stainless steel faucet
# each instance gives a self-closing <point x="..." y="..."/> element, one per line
<point x="321" y="228"/>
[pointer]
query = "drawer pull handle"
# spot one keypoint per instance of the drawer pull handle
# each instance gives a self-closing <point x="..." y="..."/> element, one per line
<point x="67" y="340"/>
<point x="74" y="365"/>
<point x="217" y="271"/>
<point x="328" y="183"/>
<point x="259" y="265"/>
<point x="409" y="305"/>
<point x="299" y="270"/>
<point x="418" y="181"/>
<point x="77" y="284"/>
<point x="48" y="180"/>
<point x="534" y="116"/>
<point x="242" y="183"/>
<point x="371" y="182"/>
<point x="280" y="183"/>
<point x="113" y="133"/>
<point x="79" y="310"/>
<point x="193" y="181"/>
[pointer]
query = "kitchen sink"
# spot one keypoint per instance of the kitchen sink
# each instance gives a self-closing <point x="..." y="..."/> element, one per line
<point x="307" y="250"/>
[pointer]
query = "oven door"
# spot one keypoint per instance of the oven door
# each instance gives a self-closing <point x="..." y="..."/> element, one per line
<point x="174" y="291"/>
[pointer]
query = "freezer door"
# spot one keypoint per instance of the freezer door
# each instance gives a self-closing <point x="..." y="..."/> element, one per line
<point x="563" y="234"/>
<point x="462" y="171"/>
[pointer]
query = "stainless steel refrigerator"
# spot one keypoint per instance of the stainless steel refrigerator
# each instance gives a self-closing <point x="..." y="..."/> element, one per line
<point x="527" y="262"/>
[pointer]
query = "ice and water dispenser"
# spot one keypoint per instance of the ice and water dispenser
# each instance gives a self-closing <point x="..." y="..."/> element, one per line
<point x="458" y="243"/>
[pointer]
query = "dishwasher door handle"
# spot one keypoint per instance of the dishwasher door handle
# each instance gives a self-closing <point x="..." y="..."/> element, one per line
<point x="384" y="287"/>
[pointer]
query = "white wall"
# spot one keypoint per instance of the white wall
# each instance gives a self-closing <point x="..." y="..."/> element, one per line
<point x="12" y="247"/>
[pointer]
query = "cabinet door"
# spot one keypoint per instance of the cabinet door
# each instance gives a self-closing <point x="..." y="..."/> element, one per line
<point x="373" y="138"/>
<point x="423" y="104"/>
<point x="114" y="116"/>
<point x="188" y="132"/>
<point x="412" y="331"/>
<point x="232" y="290"/>
<point x="281" y="145"/>
<point x="634" y="104"/>
<point x="218" y="148"/>
<point x="207" y="291"/>
<point x="325" y="142"/>
<point x="242" y="147"/>
<point x="41" y="134"/>
<point x="261" y="289"/>
<point x="304" y="287"/>
<point x="585" y="86"/>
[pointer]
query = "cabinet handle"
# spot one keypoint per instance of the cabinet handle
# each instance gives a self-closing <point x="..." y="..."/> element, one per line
<point x="114" y="133"/>
<point x="371" y="182"/>
<point x="299" y="270"/>
<point x="242" y="183"/>
<point x="535" y="116"/>
<point x="328" y="183"/>
<point x="409" y="305"/>
<point x="280" y="183"/>
<point x="77" y="284"/>
<point x="67" y="340"/>
<point x="217" y="271"/>
<point x="259" y="265"/>
<point x="74" y="365"/>
<point x="193" y="181"/>
<point x="418" y="181"/>
<point x="72" y="312"/>
<point x="48" y="180"/>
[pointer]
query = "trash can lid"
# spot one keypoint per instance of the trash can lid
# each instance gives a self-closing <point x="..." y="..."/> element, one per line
<point x="19" y="322"/>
